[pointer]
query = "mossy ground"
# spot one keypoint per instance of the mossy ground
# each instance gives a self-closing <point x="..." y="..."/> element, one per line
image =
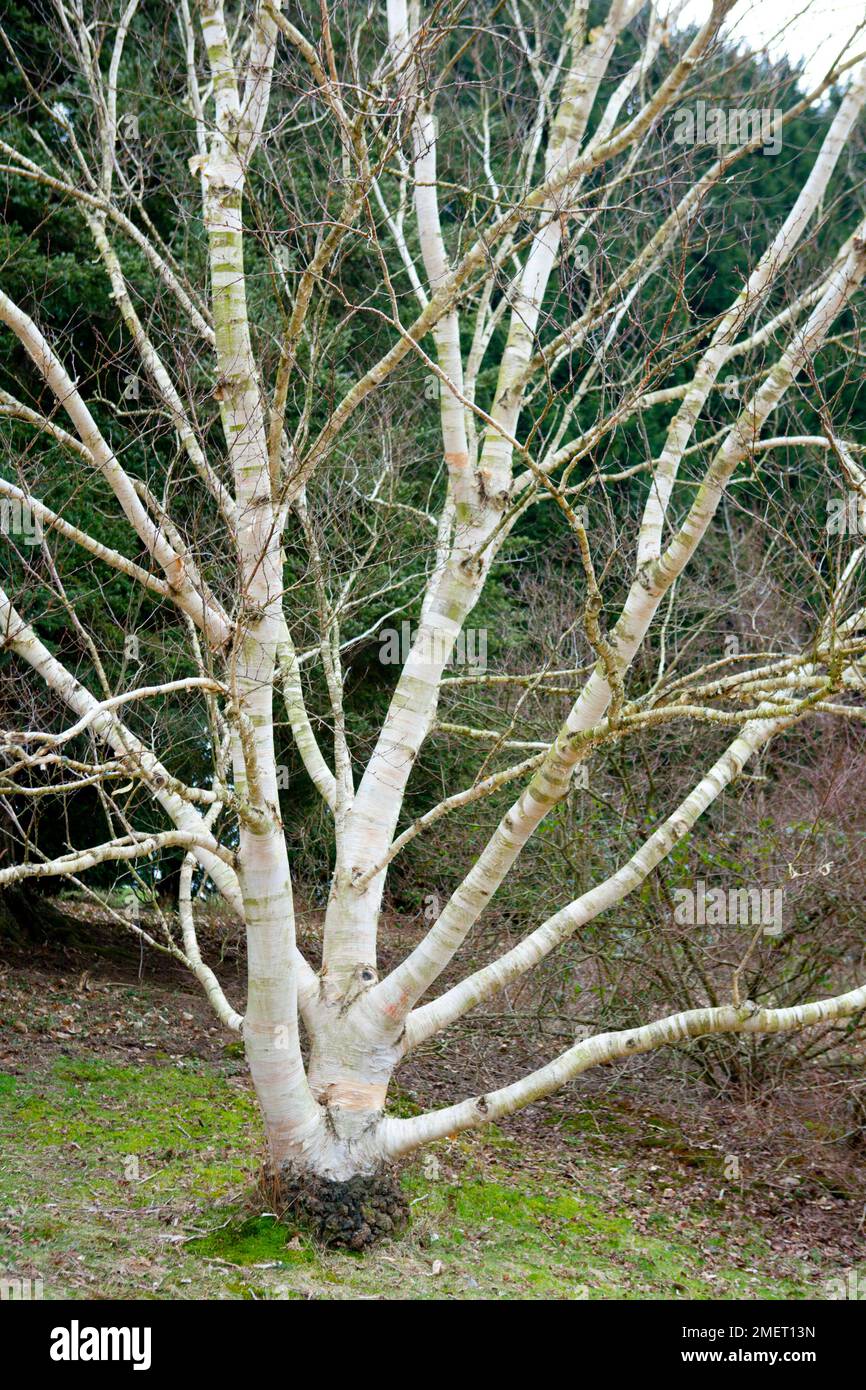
<point x="134" y="1181"/>
<point x="131" y="1151"/>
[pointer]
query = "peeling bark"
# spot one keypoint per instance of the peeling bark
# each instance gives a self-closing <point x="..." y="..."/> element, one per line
<point x="330" y="1138"/>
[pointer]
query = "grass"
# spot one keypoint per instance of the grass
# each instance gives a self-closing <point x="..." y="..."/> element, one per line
<point x="135" y="1182"/>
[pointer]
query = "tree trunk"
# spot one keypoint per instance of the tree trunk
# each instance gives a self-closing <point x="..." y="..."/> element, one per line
<point x="331" y="1171"/>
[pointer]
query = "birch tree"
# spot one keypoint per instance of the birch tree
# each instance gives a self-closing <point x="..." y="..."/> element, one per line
<point x="305" y="137"/>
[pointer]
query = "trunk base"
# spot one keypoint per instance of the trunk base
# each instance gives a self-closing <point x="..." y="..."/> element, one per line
<point x="354" y="1214"/>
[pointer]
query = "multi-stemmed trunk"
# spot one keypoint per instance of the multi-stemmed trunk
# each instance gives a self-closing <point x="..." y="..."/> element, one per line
<point x="323" y="1096"/>
<point x="328" y="1157"/>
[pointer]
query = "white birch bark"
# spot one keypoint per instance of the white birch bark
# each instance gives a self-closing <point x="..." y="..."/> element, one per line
<point x="550" y="782"/>
<point x="328" y="1116"/>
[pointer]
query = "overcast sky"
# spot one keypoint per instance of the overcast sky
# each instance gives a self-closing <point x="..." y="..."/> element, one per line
<point x="816" y="36"/>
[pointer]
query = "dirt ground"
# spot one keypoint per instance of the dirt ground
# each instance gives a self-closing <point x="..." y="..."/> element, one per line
<point x="131" y="1147"/>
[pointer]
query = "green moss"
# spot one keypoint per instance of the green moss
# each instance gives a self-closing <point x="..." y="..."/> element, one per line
<point x="401" y="1104"/>
<point x="158" y="1113"/>
<point x="183" y="1228"/>
<point x="258" y="1240"/>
